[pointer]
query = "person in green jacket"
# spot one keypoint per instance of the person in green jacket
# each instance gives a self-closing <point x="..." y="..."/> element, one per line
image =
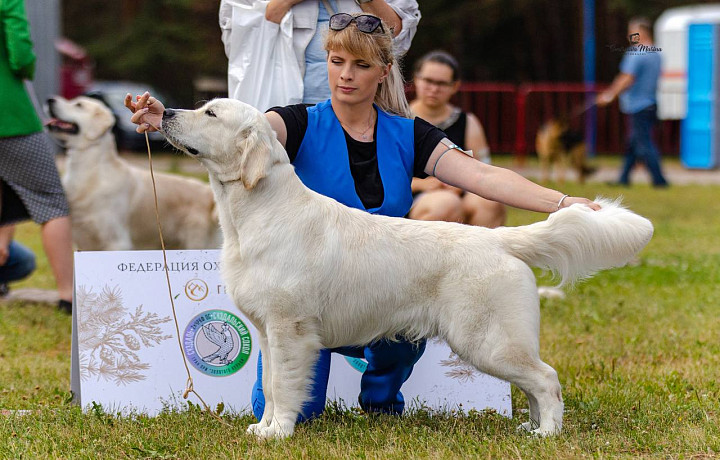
<point x="31" y="187"/>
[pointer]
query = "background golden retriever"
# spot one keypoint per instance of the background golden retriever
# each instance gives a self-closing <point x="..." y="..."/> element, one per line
<point x="111" y="202"/>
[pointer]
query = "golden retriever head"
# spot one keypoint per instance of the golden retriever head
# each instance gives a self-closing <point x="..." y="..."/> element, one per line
<point x="79" y="122"/>
<point x="232" y="139"/>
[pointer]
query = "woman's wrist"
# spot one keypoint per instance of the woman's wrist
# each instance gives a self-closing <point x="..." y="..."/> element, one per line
<point x="561" y="202"/>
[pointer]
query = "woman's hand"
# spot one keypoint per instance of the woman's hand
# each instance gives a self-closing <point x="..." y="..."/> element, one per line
<point x="571" y="200"/>
<point x="6" y="237"/>
<point x="147" y="112"/>
<point x="277" y="9"/>
<point x="4" y="254"/>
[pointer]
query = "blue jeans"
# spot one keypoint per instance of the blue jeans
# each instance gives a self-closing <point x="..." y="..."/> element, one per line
<point x="20" y="263"/>
<point x="641" y="147"/>
<point x="389" y="366"/>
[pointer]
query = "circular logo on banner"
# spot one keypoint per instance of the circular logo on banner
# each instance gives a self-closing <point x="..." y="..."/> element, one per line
<point x="196" y="289"/>
<point x="358" y="364"/>
<point x="217" y="343"/>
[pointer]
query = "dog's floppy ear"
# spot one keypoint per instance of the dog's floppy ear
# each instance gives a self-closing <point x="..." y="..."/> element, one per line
<point x="103" y="120"/>
<point x="254" y="151"/>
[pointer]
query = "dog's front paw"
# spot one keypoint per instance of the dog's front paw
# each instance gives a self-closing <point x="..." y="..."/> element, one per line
<point x="255" y="429"/>
<point x="544" y="432"/>
<point x="277" y="430"/>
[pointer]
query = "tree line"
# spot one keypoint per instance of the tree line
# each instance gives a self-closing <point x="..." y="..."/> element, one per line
<point x="169" y="43"/>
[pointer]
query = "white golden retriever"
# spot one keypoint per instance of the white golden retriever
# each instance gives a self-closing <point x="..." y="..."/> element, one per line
<point x="311" y="273"/>
<point x="111" y="201"/>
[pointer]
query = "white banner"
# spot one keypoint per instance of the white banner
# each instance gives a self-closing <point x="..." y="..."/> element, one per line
<point x="126" y="355"/>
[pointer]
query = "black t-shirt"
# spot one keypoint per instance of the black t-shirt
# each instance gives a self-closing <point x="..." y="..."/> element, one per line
<point x="362" y="155"/>
<point x="456" y="131"/>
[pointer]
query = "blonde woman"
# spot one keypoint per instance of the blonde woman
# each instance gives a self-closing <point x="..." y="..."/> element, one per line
<point x="361" y="148"/>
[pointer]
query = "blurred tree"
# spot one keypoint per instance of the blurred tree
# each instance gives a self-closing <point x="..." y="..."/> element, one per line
<point x="168" y="43"/>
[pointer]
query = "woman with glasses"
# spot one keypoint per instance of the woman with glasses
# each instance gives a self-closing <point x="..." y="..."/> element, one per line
<point x="437" y="79"/>
<point x="362" y="148"/>
<point x="310" y="24"/>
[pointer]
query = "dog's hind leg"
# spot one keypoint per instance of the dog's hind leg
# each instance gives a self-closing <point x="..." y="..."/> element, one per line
<point x="543" y="391"/>
<point x="505" y="344"/>
<point x="520" y="365"/>
<point x="294" y="347"/>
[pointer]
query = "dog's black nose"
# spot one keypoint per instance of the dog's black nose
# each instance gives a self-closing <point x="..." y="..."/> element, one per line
<point x="51" y="101"/>
<point x="168" y="113"/>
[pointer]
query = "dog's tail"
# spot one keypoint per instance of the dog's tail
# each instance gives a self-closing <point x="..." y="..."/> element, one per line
<point x="576" y="242"/>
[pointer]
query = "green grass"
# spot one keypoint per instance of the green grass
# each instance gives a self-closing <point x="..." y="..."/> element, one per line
<point x="636" y="349"/>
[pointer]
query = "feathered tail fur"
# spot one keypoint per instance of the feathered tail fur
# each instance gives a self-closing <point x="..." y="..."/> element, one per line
<point x="576" y="242"/>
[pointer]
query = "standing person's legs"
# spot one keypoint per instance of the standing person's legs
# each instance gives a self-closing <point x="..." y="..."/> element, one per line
<point x="630" y="150"/>
<point x="32" y="189"/>
<point x="57" y="242"/>
<point x="645" y="146"/>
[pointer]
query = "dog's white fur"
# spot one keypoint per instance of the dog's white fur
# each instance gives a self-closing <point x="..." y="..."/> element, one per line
<point x="311" y="273"/>
<point x="111" y="201"/>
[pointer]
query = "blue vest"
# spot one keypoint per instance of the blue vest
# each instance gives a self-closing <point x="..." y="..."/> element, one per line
<point x="323" y="164"/>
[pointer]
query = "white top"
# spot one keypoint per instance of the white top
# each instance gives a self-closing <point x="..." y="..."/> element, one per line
<point x="305" y="18"/>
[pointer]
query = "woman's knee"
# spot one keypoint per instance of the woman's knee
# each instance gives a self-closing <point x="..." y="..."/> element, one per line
<point x="439" y="206"/>
<point x="389" y="354"/>
<point x="483" y="213"/>
<point x="22" y="261"/>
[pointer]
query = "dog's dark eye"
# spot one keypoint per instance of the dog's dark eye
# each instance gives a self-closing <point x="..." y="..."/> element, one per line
<point x="210" y="113"/>
<point x="78" y="104"/>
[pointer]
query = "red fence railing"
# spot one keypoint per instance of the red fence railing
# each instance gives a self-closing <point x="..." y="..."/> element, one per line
<point x="511" y="115"/>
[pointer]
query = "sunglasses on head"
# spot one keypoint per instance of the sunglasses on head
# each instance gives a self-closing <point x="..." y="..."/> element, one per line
<point x="365" y="22"/>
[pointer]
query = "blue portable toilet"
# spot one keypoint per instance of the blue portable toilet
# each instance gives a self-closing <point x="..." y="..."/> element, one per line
<point x="700" y="130"/>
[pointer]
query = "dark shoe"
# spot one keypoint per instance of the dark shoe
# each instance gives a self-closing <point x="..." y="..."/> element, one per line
<point x="65" y="305"/>
<point x="661" y="185"/>
<point x="4" y="289"/>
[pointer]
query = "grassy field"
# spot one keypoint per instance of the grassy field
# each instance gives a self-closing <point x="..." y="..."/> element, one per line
<point x="637" y="351"/>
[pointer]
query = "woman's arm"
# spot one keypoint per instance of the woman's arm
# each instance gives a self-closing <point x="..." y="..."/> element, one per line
<point x="148" y="111"/>
<point x="475" y="139"/>
<point x="494" y="183"/>
<point x="382" y="10"/>
<point x="18" y="45"/>
<point x="278" y="125"/>
<point x="402" y="15"/>
<point x="277" y="9"/>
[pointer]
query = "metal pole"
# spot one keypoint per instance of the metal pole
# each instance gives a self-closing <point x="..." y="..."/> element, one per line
<point x="589" y="74"/>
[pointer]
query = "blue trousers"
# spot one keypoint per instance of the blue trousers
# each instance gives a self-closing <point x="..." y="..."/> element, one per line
<point x="641" y="147"/>
<point x="20" y="263"/>
<point x="389" y="366"/>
